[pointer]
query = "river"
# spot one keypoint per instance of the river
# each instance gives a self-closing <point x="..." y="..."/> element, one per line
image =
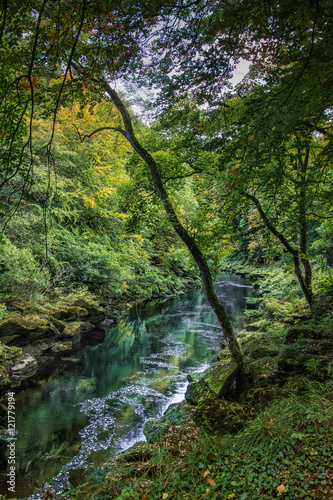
<point x="98" y="407"/>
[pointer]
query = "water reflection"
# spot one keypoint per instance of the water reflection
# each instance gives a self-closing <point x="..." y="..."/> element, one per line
<point x="99" y="407"/>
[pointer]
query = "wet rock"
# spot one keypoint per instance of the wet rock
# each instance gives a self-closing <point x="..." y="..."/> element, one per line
<point x="37" y="348"/>
<point x="62" y="347"/>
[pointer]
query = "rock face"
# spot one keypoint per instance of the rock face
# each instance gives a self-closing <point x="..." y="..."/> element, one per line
<point x="31" y="345"/>
<point x="9" y="356"/>
<point x="27" y="367"/>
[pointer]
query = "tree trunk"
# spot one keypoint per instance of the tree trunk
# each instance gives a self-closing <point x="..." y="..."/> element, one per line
<point x="303" y="164"/>
<point x="304" y="281"/>
<point x="189" y="241"/>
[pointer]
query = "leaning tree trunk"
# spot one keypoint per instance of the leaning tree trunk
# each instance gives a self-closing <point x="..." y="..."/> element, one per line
<point x="298" y="257"/>
<point x="191" y="244"/>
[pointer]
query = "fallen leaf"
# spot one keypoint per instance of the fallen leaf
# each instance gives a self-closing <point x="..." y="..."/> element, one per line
<point x="145" y="497"/>
<point x="211" y="482"/>
<point x="205" y="474"/>
<point x="165" y="495"/>
<point x="281" y="488"/>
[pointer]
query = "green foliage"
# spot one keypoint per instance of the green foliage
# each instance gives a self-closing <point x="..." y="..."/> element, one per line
<point x="73" y="227"/>
<point x="21" y="276"/>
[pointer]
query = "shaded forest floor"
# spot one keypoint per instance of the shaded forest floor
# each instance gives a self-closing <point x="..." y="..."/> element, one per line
<point x="272" y="441"/>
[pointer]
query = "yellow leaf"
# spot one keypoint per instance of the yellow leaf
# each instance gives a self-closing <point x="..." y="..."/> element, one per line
<point x="211" y="482"/>
<point x="205" y="474"/>
<point x="281" y="488"/>
<point x="231" y="496"/>
<point x="165" y="495"/>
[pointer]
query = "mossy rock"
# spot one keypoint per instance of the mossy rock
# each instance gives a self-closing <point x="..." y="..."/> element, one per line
<point x="15" y="324"/>
<point x="177" y="417"/>
<point x="263" y="352"/>
<point x="71" y="313"/>
<point x="218" y="416"/>
<point x="139" y="452"/>
<point x="252" y="315"/>
<point x="14" y="340"/>
<point x="253" y="303"/>
<point x="215" y="381"/>
<point x="72" y="330"/>
<point x="299" y="331"/>
<point x="258" y="326"/>
<point x="9" y="356"/>
<point x="59" y="325"/>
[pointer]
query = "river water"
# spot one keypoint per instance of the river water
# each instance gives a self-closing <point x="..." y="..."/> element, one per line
<point x="98" y="408"/>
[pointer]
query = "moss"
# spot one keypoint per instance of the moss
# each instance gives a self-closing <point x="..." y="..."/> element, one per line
<point x="261" y="325"/>
<point x="15" y="324"/>
<point x="9" y="356"/>
<point x="218" y="416"/>
<point x="72" y="329"/>
<point x="214" y="382"/>
<point x="177" y="417"/>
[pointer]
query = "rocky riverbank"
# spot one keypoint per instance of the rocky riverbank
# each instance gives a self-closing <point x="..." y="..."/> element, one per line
<point x="33" y="344"/>
<point x="273" y="439"/>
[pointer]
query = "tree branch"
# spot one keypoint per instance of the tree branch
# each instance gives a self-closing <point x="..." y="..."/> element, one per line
<point x="88" y="136"/>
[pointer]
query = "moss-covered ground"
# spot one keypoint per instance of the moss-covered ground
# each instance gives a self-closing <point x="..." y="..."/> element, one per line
<point x="273" y="440"/>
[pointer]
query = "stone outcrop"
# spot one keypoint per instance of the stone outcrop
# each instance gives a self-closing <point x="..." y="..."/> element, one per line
<point x="31" y="345"/>
<point x="215" y="382"/>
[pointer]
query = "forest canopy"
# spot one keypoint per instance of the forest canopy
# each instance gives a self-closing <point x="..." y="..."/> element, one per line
<point x="247" y="168"/>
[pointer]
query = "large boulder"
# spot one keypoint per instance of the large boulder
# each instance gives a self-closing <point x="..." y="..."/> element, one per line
<point x="216" y="381"/>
